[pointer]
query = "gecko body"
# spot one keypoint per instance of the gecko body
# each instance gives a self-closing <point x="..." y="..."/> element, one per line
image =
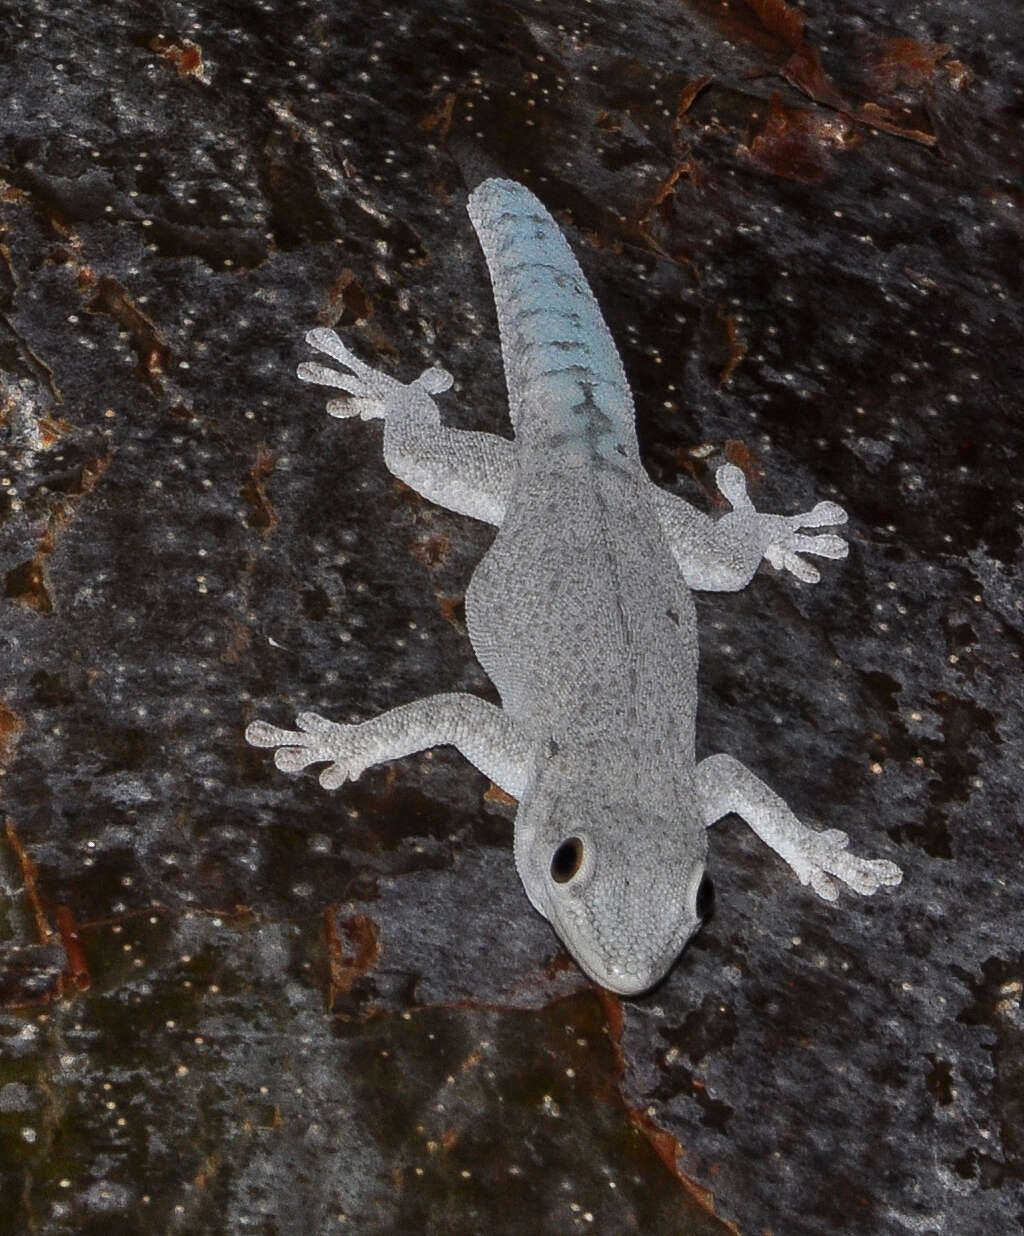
<point x="581" y="614"/>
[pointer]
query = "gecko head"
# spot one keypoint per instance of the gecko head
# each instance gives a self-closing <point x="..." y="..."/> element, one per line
<point x="623" y="886"/>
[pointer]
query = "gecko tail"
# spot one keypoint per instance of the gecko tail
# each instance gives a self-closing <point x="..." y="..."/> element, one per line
<point x="557" y="350"/>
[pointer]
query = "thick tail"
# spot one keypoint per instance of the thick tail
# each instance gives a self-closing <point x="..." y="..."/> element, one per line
<point x="557" y="351"/>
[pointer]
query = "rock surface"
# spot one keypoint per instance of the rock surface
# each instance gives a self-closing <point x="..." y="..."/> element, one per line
<point x="232" y="1002"/>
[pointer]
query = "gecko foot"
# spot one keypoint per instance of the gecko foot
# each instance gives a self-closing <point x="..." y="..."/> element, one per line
<point x="370" y="393"/>
<point x="783" y="540"/>
<point x="824" y="862"/>
<point x="315" y="741"/>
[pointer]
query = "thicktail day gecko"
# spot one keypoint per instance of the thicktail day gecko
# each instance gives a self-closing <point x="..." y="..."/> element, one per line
<point x="581" y="614"/>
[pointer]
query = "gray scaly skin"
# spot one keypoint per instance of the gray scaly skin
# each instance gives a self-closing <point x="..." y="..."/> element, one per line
<point x="582" y="616"/>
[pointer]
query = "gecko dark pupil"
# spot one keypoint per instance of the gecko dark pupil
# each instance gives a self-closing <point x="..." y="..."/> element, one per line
<point x="705" y="898"/>
<point x="567" y="860"/>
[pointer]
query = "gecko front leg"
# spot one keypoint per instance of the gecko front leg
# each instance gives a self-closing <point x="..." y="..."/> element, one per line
<point x="820" y="859"/>
<point x="481" y="731"/>
<point x="471" y="473"/>
<point x="721" y="555"/>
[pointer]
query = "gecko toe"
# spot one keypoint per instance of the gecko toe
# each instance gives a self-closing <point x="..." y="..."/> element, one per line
<point x="260" y="734"/>
<point x="825" y="886"/>
<point x="435" y="381"/>
<point x="326" y="341"/>
<point x="293" y="759"/>
<point x="823" y="515"/>
<point x="888" y="873"/>
<point x="323" y="375"/>
<point x="333" y="777"/>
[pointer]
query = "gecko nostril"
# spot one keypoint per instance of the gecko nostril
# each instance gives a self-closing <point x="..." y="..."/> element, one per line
<point x="567" y="860"/>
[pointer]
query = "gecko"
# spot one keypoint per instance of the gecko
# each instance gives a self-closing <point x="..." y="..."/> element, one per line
<point x="582" y="616"/>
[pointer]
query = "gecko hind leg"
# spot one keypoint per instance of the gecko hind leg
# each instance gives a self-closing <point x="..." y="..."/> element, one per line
<point x="472" y="473"/>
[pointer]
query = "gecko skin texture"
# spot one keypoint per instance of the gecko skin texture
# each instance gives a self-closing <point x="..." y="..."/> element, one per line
<point x="582" y="615"/>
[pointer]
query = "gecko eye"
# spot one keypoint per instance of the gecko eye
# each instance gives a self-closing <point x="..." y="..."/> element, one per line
<point x="567" y="860"/>
<point x="705" y="898"/>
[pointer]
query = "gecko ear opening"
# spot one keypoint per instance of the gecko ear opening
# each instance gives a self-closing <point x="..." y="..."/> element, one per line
<point x="567" y="860"/>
